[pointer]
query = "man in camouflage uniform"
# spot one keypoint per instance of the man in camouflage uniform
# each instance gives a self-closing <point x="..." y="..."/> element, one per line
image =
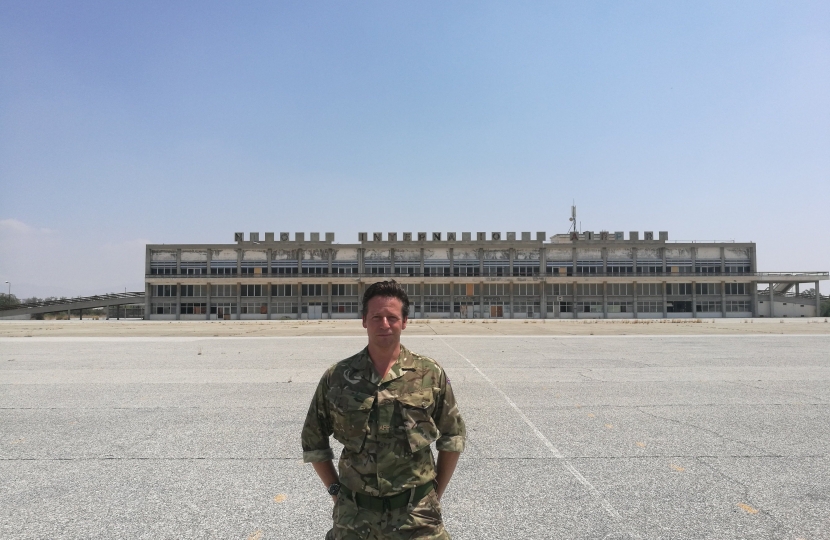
<point x="386" y="405"/>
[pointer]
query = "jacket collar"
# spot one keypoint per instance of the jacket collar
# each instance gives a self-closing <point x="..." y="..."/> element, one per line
<point x="363" y="366"/>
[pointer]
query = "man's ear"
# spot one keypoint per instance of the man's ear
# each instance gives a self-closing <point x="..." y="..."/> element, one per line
<point x="403" y="324"/>
<point x="364" y="321"/>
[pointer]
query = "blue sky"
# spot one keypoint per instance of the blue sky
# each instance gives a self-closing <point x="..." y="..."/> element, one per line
<point x="128" y="123"/>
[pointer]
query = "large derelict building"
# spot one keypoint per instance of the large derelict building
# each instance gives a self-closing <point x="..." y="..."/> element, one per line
<point x="575" y="275"/>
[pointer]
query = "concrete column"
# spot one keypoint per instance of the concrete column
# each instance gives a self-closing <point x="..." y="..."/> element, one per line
<point x="722" y="260"/>
<point x="510" y="271"/>
<point x="665" y="303"/>
<point x="178" y="262"/>
<point x="270" y="291"/>
<point x="361" y="267"/>
<point x="392" y="261"/>
<point x="423" y="285"/>
<point x="178" y="301"/>
<point x="299" y="262"/>
<point x="238" y="298"/>
<point x="452" y="261"/>
<point x="634" y="304"/>
<point x="771" y="301"/>
<point x="270" y="253"/>
<point x="694" y="297"/>
<point x="329" y="289"/>
<point x="604" y="296"/>
<point x="573" y="300"/>
<point x="663" y="256"/>
<point x="556" y="302"/>
<point x="694" y="265"/>
<point x="238" y="267"/>
<point x="148" y="299"/>
<point x="480" y="264"/>
<point x="543" y="261"/>
<point x="481" y="299"/>
<point x="604" y="262"/>
<point x="209" y="260"/>
<point x="207" y="300"/>
<point x="753" y="290"/>
<point x="573" y="271"/>
<point x="543" y="300"/>
<point x="422" y="288"/>
<point x="634" y="260"/>
<point x="299" y="301"/>
<point x="331" y="256"/>
<point x="818" y="300"/>
<point x="722" y="293"/>
<point x="512" y="311"/>
<point x="452" y="298"/>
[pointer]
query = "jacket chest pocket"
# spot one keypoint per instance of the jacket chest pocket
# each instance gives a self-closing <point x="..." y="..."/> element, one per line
<point x="416" y="409"/>
<point x="350" y="412"/>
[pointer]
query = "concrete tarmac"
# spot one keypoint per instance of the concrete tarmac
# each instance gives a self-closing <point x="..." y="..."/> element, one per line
<point x="417" y="327"/>
<point x="635" y="436"/>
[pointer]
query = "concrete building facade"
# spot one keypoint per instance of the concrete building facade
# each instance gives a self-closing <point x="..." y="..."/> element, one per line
<point x="567" y="276"/>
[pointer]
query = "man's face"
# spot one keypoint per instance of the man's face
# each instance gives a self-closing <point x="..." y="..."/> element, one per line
<point x="384" y="321"/>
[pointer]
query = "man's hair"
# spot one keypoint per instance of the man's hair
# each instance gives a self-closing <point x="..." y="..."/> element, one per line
<point x="386" y="289"/>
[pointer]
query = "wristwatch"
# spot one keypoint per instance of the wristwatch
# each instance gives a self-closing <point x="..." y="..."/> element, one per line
<point x="334" y="489"/>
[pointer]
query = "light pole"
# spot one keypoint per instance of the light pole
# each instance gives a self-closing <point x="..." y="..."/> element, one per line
<point x="10" y="290"/>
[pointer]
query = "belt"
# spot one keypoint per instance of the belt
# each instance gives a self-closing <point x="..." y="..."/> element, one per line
<point x="408" y="498"/>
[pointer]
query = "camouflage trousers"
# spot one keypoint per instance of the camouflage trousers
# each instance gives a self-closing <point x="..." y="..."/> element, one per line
<point x="422" y="523"/>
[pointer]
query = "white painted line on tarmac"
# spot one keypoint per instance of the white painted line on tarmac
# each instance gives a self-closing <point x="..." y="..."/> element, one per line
<point x="553" y="450"/>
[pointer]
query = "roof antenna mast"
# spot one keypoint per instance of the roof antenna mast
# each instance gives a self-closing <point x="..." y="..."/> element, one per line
<point x="572" y="219"/>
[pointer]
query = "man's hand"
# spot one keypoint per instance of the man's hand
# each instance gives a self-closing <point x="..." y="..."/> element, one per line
<point x="327" y="473"/>
<point x="444" y="469"/>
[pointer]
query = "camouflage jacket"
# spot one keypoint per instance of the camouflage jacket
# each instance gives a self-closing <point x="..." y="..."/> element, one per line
<point x="386" y="425"/>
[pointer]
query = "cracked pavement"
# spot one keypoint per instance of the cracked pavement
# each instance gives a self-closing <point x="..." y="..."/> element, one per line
<point x="680" y="436"/>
